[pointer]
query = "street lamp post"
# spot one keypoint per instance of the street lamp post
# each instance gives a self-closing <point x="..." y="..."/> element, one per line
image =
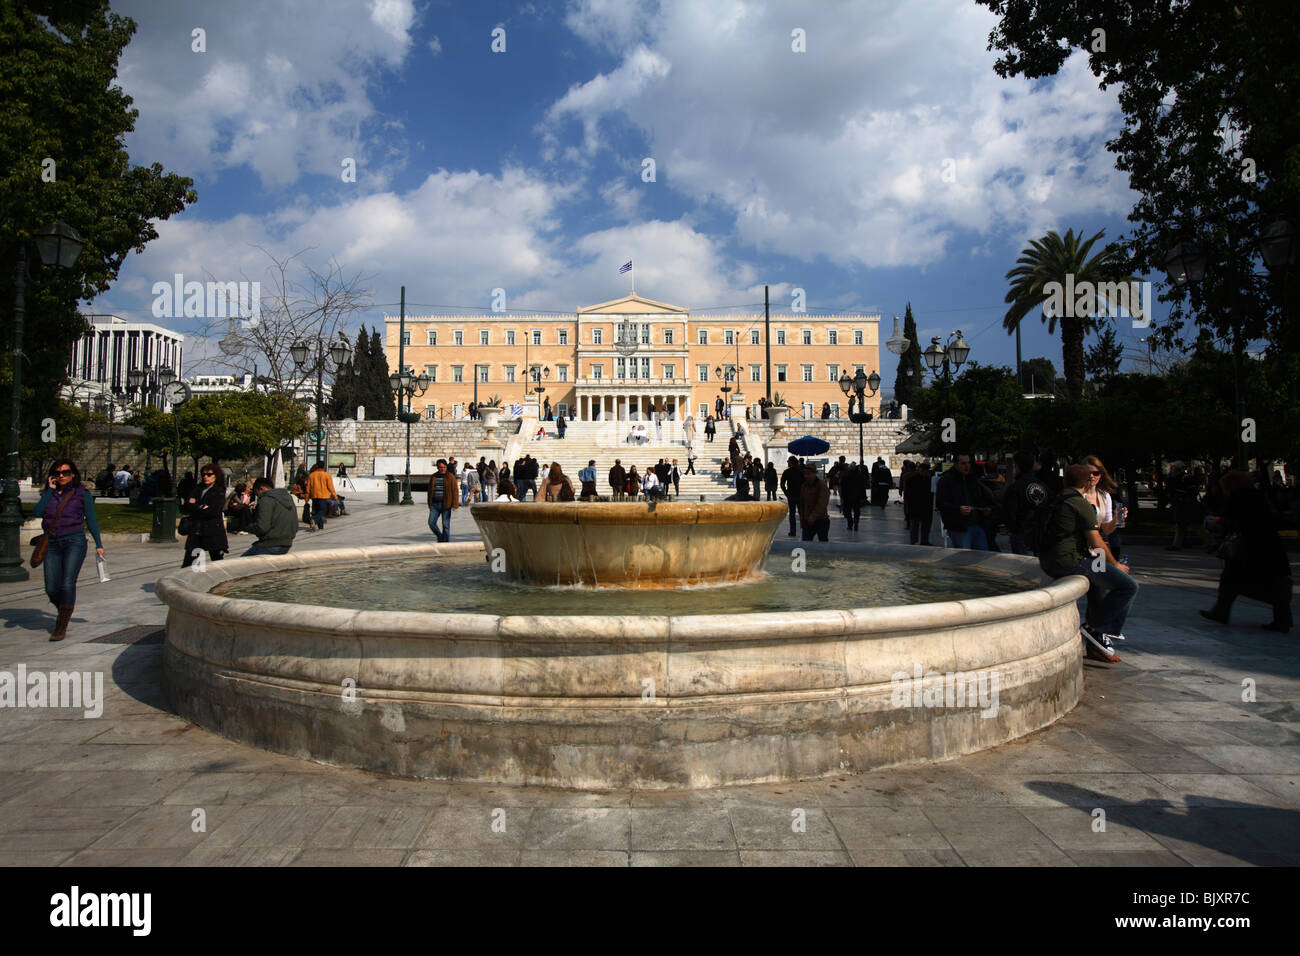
<point x="58" y="245"/>
<point x="107" y="404"/>
<point x="946" y="361"/>
<point x="406" y="386"/>
<point x="860" y="385"/>
<point x="1186" y="265"/>
<point x="339" y="352"/>
<point x="728" y="375"/>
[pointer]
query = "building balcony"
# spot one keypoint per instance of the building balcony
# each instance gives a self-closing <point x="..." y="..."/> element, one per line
<point x="632" y="383"/>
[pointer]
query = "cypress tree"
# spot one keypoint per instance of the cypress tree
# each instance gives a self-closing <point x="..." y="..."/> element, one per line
<point x="905" y="385"/>
<point x="384" y="402"/>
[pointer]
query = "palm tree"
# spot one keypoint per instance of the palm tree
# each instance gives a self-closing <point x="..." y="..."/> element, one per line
<point x="1050" y="260"/>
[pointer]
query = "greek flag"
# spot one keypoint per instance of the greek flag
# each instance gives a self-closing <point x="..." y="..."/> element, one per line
<point x="627" y="267"/>
<point x="516" y="410"/>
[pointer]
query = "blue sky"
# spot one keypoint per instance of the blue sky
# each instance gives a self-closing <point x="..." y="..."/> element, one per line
<point x="885" y="163"/>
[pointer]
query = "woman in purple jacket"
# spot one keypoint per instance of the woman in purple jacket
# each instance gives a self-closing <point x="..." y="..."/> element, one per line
<point x="64" y="508"/>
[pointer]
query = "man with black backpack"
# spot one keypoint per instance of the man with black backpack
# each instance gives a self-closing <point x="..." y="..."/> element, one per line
<point x="1066" y="536"/>
<point x="1026" y="494"/>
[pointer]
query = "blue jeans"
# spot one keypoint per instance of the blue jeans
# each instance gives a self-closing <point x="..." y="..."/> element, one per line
<point x="526" y="485"/>
<point x="973" y="538"/>
<point x="438" y="512"/>
<point x="319" y="509"/>
<point x="259" y="548"/>
<point x="62" y="564"/>
<point x="1110" y="594"/>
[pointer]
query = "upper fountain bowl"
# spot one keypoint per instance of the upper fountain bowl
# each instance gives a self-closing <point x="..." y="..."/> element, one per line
<point x="629" y="544"/>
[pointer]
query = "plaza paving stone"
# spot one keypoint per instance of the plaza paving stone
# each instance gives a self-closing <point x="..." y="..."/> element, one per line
<point x="1185" y="770"/>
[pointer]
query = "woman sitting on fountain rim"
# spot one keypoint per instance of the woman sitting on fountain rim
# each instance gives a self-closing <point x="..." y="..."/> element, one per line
<point x="557" y="486"/>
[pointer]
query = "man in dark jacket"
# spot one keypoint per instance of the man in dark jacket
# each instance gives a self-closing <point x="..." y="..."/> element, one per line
<point x="882" y="480"/>
<point x="853" y="491"/>
<point x="618" y="480"/>
<point x="964" y="502"/>
<point x="791" y="479"/>
<point x="1026" y="493"/>
<point x="918" y="503"/>
<point x="275" y="519"/>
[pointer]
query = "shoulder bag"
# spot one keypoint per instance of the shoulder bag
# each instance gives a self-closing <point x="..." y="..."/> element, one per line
<point x="41" y="543"/>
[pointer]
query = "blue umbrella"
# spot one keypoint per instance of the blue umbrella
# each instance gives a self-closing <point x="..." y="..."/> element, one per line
<point x="808" y="445"/>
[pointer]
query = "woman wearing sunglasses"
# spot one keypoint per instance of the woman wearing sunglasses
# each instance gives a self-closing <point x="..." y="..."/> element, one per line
<point x="1102" y="493"/>
<point x="204" y="509"/>
<point x="65" y="508"/>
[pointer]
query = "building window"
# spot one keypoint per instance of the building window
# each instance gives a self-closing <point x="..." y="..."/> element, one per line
<point x="833" y="371"/>
<point x="561" y="373"/>
<point x="510" y="373"/>
<point x="807" y="373"/>
<point x="483" y="372"/>
<point x="645" y="367"/>
<point x="620" y="368"/>
<point x="458" y="373"/>
<point x="860" y="368"/>
<point x="668" y="336"/>
<point x="596" y="336"/>
<point x="432" y="337"/>
<point x="807" y="336"/>
<point x="704" y="336"/>
<point x="458" y="337"/>
<point x="780" y="373"/>
<point x="564" y="336"/>
<point x="668" y="370"/>
<point x="701" y="373"/>
<point x="482" y="336"/>
<point x="756" y="373"/>
<point x="780" y="336"/>
<point x="753" y="337"/>
<point x="406" y="337"/>
<point x="510" y="337"/>
<point x="833" y="337"/>
<point x="729" y="337"/>
<point x="597" y="371"/>
<point x="537" y="336"/>
<point x="645" y="334"/>
<point x="857" y="336"/>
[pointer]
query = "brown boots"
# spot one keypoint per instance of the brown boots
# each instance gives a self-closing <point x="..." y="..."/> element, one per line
<point x="61" y="626"/>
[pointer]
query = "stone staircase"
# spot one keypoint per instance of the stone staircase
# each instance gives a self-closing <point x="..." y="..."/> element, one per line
<point x="605" y="441"/>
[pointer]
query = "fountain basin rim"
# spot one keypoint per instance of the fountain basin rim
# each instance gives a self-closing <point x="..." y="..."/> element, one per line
<point x="188" y="590"/>
<point x="618" y="513"/>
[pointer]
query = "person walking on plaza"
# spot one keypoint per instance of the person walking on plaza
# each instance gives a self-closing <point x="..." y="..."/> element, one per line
<point x="814" y="505"/>
<point x="490" y="481"/>
<point x="561" y="426"/>
<point x="443" y="498"/>
<point x="320" y="492"/>
<point x="791" y="479"/>
<point x="1072" y="544"/>
<point x="676" y="477"/>
<point x="918" y="504"/>
<point x="274" y="521"/>
<point x="204" y="511"/>
<point x="633" y="483"/>
<point x="690" y="460"/>
<point x="473" y="485"/>
<point x="588" y="478"/>
<point x="771" y="481"/>
<point x="853" y="494"/>
<point x="1255" y="563"/>
<point x="65" y="508"/>
<point x="882" y="480"/>
<point x="719" y="406"/>
<point x="618" y="480"/>
<point x="1184" y="493"/>
<point x="964" y="502"/>
<point x="650" y="485"/>
<point x="1027" y="492"/>
<point x="710" y="428"/>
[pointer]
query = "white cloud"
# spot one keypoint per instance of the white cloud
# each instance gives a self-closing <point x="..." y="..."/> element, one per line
<point x="251" y="98"/>
<point x="840" y="152"/>
<point x="435" y="45"/>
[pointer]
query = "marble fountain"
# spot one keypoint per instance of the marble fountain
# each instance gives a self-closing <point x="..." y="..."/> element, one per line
<point x="623" y="645"/>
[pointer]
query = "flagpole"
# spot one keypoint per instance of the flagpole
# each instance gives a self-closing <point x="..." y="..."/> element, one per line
<point x="632" y="275"/>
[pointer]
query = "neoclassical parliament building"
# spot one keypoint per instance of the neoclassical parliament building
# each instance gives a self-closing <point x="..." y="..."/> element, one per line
<point x="628" y="357"/>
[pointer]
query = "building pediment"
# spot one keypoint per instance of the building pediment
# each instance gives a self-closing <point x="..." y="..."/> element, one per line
<point x="633" y="304"/>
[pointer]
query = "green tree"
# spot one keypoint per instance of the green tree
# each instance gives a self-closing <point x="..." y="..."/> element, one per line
<point x="232" y="426"/>
<point x="1064" y="262"/>
<point x="1211" y="135"/>
<point x="1039" y="375"/>
<point x="63" y="122"/>
<point x="989" y="414"/>
<point x="911" y="371"/>
<point x="1104" y="357"/>
<point x="375" y="392"/>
